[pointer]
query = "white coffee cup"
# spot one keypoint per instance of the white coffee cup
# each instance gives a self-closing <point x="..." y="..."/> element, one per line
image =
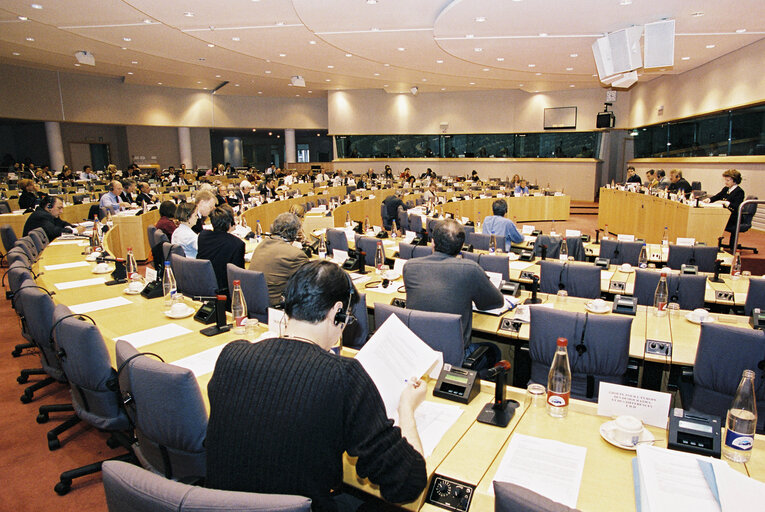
<point x="700" y="314"/>
<point x="625" y="267"/>
<point x="598" y="304"/>
<point x="626" y="430"/>
<point x="178" y="309"/>
<point x="102" y="268"/>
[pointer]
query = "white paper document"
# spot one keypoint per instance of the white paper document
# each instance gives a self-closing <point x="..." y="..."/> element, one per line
<point x="201" y="363"/>
<point x="409" y="236"/>
<point x="520" y="265"/>
<point x="79" y="241"/>
<point x="275" y="320"/>
<point x="606" y="275"/>
<point x="79" y="284"/>
<point x="398" y="265"/>
<point x="339" y="256"/>
<point x="97" y="305"/>
<point x="550" y="468"/>
<point x="433" y="421"/>
<point x="736" y="490"/>
<point x="625" y="238"/>
<point x="62" y="266"/>
<point x="392" y="356"/>
<point x="527" y="229"/>
<point x="495" y="278"/>
<point x="155" y="334"/>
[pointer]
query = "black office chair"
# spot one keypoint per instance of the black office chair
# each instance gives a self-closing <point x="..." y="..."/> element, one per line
<point x="356" y="331"/>
<point x="553" y="243"/>
<point x="755" y="296"/>
<point x="747" y="215"/>
<point x="686" y="290"/>
<point x="702" y="256"/>
<point x="598" y="348"/>
<point x="620" y="252"/>
<point x="723" y="353"/>
<point x="578" y="279"/>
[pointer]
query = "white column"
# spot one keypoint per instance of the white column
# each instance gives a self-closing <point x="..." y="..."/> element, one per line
<point x="184" y="146"/>
<point x="334" y="148"/>
<point x="55" y="145"/>
<point x="290" y="150"/>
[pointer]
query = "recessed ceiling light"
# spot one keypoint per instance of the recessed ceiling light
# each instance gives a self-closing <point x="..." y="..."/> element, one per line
<point x="485" y="69"/>
<point x="260" y="92"/>
<point x="129" y="72"/>
<point x="520" y="85"/>
<point x="377" y="74"/>
<point x="268" y="60"/>
<point x="439" y="61"/>
<point x="685" y="58"/>
<point x="443" y="88"/>
<point x="188" y="14"/>
<point x="371" y="2"/>
<point x="126" y="39"/>
<point x="282" y="55"/>
<point x="710" y="46"/>
<point x="30" y="39"/>
<point x="469" y="36"/>
<point x="217" y="76"/>
<point x="480" y="19"/>
<point x="199" y="82"/>
<point x="401" y="48"/>
<point x="349" y="55"/>
<point x="77" y="64"/>
<point x="23" y="18"/>
<point x="279" y="23"/>
<point x="309" y="92"/>
<point x="472" y="83"/>
<point x="532" y="65"/>
<point x="123" y="48"/>
<point x="500" y="59"/>
<point x="236" y="85"/>
<point x="374" y="29"/>
<point x="386" y="65"/>
<point x="697" y="14"/>
<point x="327" y="80"/>
<point x="424" y="79"/>
<point x="569" y="69"/>
<point x="147" y="21"/>
<point x="235" y="38"/>
<point x="311" y="42"/>
<point x="210" y="45"/>
<point x="36" y="6"/>
<point x="538" y="74"/>
<point x="572" y="85"/>
<point x="159" y="83"/>
<point x="386" y="85"/>
<point x="289" y="85"/>
<point x="477" y="49"/>
<point x="543" y="34"/>
<point x="740" y="30"/>
<point x="268" y="71"/>
<point x="625" y="2"/>
<point x="297" y="95"/>
<point x="16" y="54"/>
<point x="574" y="55"/>
<point x="330" y="67"/>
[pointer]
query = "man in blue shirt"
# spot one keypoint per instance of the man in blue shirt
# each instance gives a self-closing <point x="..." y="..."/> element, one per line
<point x="111" y="200"/>
<point x="498" y="225"/>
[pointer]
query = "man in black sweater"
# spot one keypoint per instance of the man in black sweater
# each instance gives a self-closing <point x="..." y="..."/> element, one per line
<point x="392" y="203"/>
<point x="283" y="410"/>
<point x="46" y="216"/>
<point x="678" y="185"/>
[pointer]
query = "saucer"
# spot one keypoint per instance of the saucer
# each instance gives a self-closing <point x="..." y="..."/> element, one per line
<point x="631" y="270"/>
<point x="689" y="316"/>
<point x="92" y="256"/>
<point x="189" y="311"/>
<point x="391" y="275"/>
<point x="110" y="269"/>
<point x="513" y="256"/>
<point x="589" y="307"/>
<point x="646" y="437"/>
<point x="127" y="291"/>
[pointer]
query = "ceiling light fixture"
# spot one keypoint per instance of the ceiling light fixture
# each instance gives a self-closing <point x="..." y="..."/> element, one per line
<point x="414" y="90"/>
<point x="77" y="64"/>
<point x="311" y="42"/>
<point x="147" y="21"/>
<point x="625" y="2"/>
<point x="374" y="29"/>
<point x="478" y="49"/>
<point x="279" y="23"/>
<point x="472" y="83"/>
<point x="439" y="61"/>
<point x="500" y="59"/>
<point x="23" y="18"/>
<point x="16" y="54"/>
<point x="30" y="39"/>
<point x="532" y="65"/>
<point x="202" y="59"/>
<point x="521" y="85"/>
<point x="480" y="19"/>
<point x="371" y="2"/>
<point x="330" y="66"/>
<point x="569" y="69"/>
<point x="685" y="58"/>
<point x="740" y="30"/>
<point x="327" y="80"/>
<point x="543" y="34"/>
<point x="538" y="74"/>
<point x="260" y="92"/>
<point x="574" y="55"/>
<point x="134" y="62"/>
<point x="572" y="85"/>
<point x="698" y="14"/>
<point x="129" y="72"/>
<point x="188" y="14"/>
<point x="386" y="65"/>
<point x="710" y="46"/>
<point x="235" y="38"/>
<point x="424" y="79"/>
<point x="236" y="85"/>
<point x="123" y="48"/>
<point x="126" y="39"/>
<point x="217" y="76"/>
<point x="485" y="69"/>
<point x="268" y="71"/>
<point x="309" y="92"/>
<point x="36" y="6"/>
<point x="401" y="49"/>
<point x="349" y="55"/>
<point x="210" y="45"/>
<point x="159" y="83"/>
<point x="282" y="55"/>
<point x="469" y="36"/>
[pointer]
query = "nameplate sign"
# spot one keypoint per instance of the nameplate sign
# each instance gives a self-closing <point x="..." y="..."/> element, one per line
<point x="686" y="241"/>
<point x="625" y="238"/>
<point x="151" y="275"/>
<point x="527" y="230"/>
<point x="651" y="407"/>
<point x="573" y="232"/>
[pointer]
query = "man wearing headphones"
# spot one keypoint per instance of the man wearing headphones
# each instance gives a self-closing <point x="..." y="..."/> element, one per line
<point x="111" y="200"/>
<point x="283" y="410"/>
<point x="276" y="257"/>
<point x="46" y="216"/>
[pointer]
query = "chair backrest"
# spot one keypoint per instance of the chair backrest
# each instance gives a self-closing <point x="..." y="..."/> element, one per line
<point x="415" y="223"/>
<point x="578" y="279"/>
<point x="405" y="250"/>
<point x="686" y="290"/>
<point x="474" y="256"/>
<point x="573" y="244"/>
<point x="356" y="333"/>
<point x="336" y="240"/>
<point x="368" y="245"/>
<point x="747" y="214"/>
<point x="700" y="255"/>
<point x="129" y="488"/>
<point x="40" y="239"/>
<point x="150" y="230"/>
<point x="723" y="353"/>
<point x="8" y="236"/>
<point x="194" y="278"/>
<point x="499" y="263"/>
<point x="420" y="251"/>
<point x="37" y="307"/>
<point x="481" y="241"/>
<point x="17" y="274"/>
<point x="402" y="219"/>
<point x="384" y="214"/>
<point x="27" y="245"/>
<point x="469" y="229"/>
<point x="514" y="498"/>
<point x="605" y="339"/>
<point x="168" y="414"/>
<point x="755" y="296"/>
<point x="254" y="288"/>
<point x="620" y="252"/>
<point x="96" y="211"/>
<point x="20" y="255"/>
<point x="5" y="207"/>
<point x="88" y="369"/>
<point x="440" y="331"/>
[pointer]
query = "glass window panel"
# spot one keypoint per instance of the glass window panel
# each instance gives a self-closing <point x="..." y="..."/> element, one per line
<point x="682" y="139"/>
<point x="748" y="131"/>
<point x="713" y="135"/>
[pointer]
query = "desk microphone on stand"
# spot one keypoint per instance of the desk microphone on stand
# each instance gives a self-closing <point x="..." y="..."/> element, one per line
<point x="534" y="289"/>
<point x="220" y="315"/>
<point x="716" y="278"/>
<point x="544" y="252"/>
<point x="501" y="411"/>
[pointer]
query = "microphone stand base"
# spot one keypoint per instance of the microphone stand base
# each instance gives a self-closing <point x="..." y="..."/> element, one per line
<point x="497" y="417"/>
<point x="214" y="330"/>
<point x="533" y="301"/>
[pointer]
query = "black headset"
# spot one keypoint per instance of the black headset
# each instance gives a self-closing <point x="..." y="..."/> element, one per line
<point x="561" y="284"/>
<point x="581" y="348"/>
<point x="344" y="315"/>
<point x="49" y="201"/>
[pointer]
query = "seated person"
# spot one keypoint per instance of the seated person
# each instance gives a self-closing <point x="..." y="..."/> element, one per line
<point x="144" y="197"/>
<point x="503" y="228"/>
<point x="47" y="216"/>
<point x="443" y="283"/>
<point x="205" y="203"/>
<point x="28" y="199"/>
<point x="663" y="181"/>
<point x="111" y="201"/>
<point x="284" y="410"/>
<point x="632" y="176"/>
<point x="678" y="185"/>
<point x="166" y="220"/>
<point x="276" y="257"/>
<point x="219" y="245"/>
<point x="222" y="195"/>
<point x="474" y="176"/>
<point x="128" y="191"/>
<point x="521" y="189"/>
<point x="268" y="189"/>
<point x="430" y="194"/>
<point x="183" y="234"/>
<point x="732" y="196"/>
<point x="392" y="202"/>
<point x="650" y="179"/>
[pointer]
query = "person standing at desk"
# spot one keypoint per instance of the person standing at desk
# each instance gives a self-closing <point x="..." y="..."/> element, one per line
<point x="732" y="196"/>
<point x="498" y="225"/>
<point x="283" y="410"/>
<point x="392" y="202"/>
<point x="678" y="185"/>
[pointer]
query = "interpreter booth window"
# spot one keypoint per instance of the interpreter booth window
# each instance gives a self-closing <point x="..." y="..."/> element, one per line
<point x="303" y="153"/>
<point x="651" y="141"/>
<point x="748" y="131"/>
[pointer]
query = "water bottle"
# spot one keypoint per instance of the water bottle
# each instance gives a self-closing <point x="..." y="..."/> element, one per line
<point x="605" y="232"/>
<point x="563" y="256"/>
<point x="742" y="420"/>
<point x="552" y="229"/>
<point x="258" y="231"/>
<point x="109" y="220"/>
<point x="393" y="229"/>
<point x="238" y="308"/>
<point x="559" y="381"/>
<point x="478" y="223"/>
<point x="492" y="244"/>
<point x="322" y="247"/>
<point x="379" y="258"/>
<point x="665" y="238"/>
<point x="735" y="269"/>
<point x="661" y="295"/>
<point x="169" y="288"/>
<point x="367" y="225"/>
<point x="131" y="266"/>
<point x="348" y="219"/>
<point x="643" y="258"/>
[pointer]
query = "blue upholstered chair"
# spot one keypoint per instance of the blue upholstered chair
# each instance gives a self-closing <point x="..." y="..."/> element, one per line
<point x="474" y="256"/>
<point x="755" y="296"/>
<point x="480" y="241"/>
<point x="402" y="219"/>
<point x="415" y="223"/>
<point x="420" y="251"/>
<point x="514" y="498"/>
<point x="700" y="255"/>
<point x="368" y="245"/>
<point x="553" y="243"/>
<point x="8" y="236"/>
<point x="405" y="250"/>
<point x="254" y="288"/>
<point x="40" y="239"/>
<point x="578" y="279"/>
<point x="499" y="263"/>
<point x="356" y="332"/>
<point x="194" y="278"/>
<point x="598" y="348"/>
<point x="620" y="252"/>
<point x="687" y="290"/>
<point x="27" y="245"/>
<point x="336" y="239"/>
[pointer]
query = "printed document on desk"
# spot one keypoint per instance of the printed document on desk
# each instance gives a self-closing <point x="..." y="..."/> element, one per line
<point x="433" y="421"/>
<point x="393" y="355"/>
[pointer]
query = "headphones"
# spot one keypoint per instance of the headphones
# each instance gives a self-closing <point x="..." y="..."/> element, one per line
<point x="581" y="348"/>
<point x="561" y="284"/>
<point x="49" y="201"/>
<point x="344" y="315"/>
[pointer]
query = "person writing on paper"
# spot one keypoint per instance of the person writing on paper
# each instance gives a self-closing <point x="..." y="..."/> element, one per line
<point x="283" y="410"/>
<point x="276" y="257"/>
<point x="731" y="197"/>
<point x="111" y="201"/>
<point x="444" y="283"/>
<point x="47" y="216"/>
<point x="183" y="235"/>
<point x="498" y="225"/>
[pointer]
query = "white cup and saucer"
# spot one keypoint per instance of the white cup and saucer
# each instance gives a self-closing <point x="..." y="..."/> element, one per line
<point x="102" y="268"/>
<point x="699" y="316"/>
<point x="626" y="268"/>
<point x="626" y="432"/>
<point x="93" y="256"/>
<point x="598" y="306"/>
<point x="179" y="310"/>
<point x="134" y="287"/>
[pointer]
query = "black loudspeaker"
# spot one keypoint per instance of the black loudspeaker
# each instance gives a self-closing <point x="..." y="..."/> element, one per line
<point x="605" y="120"/>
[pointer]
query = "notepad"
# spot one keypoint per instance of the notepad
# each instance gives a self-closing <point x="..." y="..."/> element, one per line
<point x="153" y="335"/>
<point x="87" y="307"/>
<point x="62" y="266"/>
<point x="81" y="283"/>
<point x="519" y="265"/>
<point x="433" y="421"/>
<point x="201" y="363"/>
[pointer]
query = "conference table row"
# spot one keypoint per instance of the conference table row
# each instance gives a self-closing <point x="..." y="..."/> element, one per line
<point x="469" y="452"/>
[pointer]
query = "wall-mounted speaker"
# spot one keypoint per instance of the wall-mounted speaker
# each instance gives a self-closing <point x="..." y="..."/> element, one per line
<point x="605" y="120"/>
<point x="618" y="52"/>
<point x="659" y="44"/>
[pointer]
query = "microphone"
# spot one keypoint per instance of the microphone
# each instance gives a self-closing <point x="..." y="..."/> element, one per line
<point x="502" y="366"/>
<point x="534" y="290"/>
<point x="498" y="413"/>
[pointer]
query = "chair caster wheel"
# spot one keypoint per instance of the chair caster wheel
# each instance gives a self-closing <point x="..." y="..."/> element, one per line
<point x="16" y="353"/>
<point x="63" y="487"/>
<point x="25" y="398"/>
<point x="42" y="418"/>
<point x="112" y="443"/>
<point x="22" y="379"/>
<point x="54" y="444"/>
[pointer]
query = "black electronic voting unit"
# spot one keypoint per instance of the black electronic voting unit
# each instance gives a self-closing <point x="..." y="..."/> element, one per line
<point x="457" y="384"/>
<point x="694" y="432"/>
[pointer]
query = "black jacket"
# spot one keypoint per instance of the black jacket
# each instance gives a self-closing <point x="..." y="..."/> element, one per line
<point x="734" y="198"/>
<point x="220" y="248"/>
<point x="41" y="218"/>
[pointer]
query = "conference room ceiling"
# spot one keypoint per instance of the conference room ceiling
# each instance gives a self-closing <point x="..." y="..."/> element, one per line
<point x="390" y="45"/>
